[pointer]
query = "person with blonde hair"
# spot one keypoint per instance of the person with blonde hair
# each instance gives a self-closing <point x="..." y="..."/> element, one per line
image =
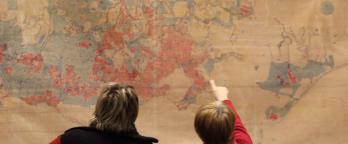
<point x="115" y="113"/>
<point x="219" y="122"/>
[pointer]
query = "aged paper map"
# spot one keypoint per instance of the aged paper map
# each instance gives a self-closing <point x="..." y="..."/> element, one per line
<point x="285" y="63"/>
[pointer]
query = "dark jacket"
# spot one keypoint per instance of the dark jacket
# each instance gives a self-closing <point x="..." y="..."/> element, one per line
<point x="91" y="135"/>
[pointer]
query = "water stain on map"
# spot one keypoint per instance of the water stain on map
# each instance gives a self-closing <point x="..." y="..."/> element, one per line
<point x="327" y="8"/>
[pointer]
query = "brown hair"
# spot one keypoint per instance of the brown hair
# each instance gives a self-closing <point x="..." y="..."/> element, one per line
<point x="214" y="123"/>
<point x="116" y="109"/>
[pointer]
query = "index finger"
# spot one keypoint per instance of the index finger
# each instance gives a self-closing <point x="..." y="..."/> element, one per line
<point x="111" y="83"/>
<point x="212" y="84"/>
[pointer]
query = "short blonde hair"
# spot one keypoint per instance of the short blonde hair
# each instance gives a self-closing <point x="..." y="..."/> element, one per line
<point x="116" y="109"/>
<point x="214" y="123"/>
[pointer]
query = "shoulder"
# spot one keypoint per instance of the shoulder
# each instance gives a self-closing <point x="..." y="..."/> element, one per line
<point x="82" y="128"/>
<point x="81" y="132"/>
<point x="141" y="139"/>
<point x="83" y="135"/>
<point x="90" y="135"/>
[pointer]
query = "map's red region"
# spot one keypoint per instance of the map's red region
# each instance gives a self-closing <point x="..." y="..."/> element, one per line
<point x="32" y="60"/>
<point x="292" y="76"/>
<point x="3" y="47"/>
<point x="124" y="55"/>
<point x="175" y="51"/>
<point x="273" y="116"/>
<point x="85" y="44"/>
<point x="70" y="77"/>
<point x="55" y="76"/>
<point x="9" y="70"/>
<point x="47" y="97"/>
<point x="246" y="9"/>
<point x="71" y="83"/>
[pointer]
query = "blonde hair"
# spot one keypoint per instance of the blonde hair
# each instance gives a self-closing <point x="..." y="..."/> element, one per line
<point x="214" y="123"/>
<point x="116" y="109"/>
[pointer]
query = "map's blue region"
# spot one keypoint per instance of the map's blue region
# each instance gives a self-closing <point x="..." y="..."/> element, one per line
<point x="58" y="49"/>
<point x="278" y="76"/>
<point x="73" y="100"/>
<point x="12" y="4"/>
<point x="18" y="83"/>
<point x="11" y="36"/>
<point x="280" y="111"/>
<point x="209" y="65"/>
<point x="105" y="4"/>
<point x="278" y="79"/>
<point x="277" y="72"/>
<point x="327" y="7"/>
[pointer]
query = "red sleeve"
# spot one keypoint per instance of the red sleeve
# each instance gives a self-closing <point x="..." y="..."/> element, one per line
<point x="56" y="140"/>
<point x="239" y="134"/>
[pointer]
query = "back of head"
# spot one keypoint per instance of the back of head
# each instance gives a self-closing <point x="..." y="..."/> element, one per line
<point x="214" y="123"/>
<point x="116" y="109"/>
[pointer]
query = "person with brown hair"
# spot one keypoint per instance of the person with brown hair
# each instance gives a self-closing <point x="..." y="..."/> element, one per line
<point x="115" y="113"/>
<point x="219" y="122"/>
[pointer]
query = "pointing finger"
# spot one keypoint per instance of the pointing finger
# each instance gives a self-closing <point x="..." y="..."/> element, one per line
<point x="212" y="84"/>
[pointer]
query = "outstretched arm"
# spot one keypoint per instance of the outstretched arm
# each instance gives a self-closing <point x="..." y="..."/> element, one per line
<point x="56" y="140"/>
<point x="240" y="134"/>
